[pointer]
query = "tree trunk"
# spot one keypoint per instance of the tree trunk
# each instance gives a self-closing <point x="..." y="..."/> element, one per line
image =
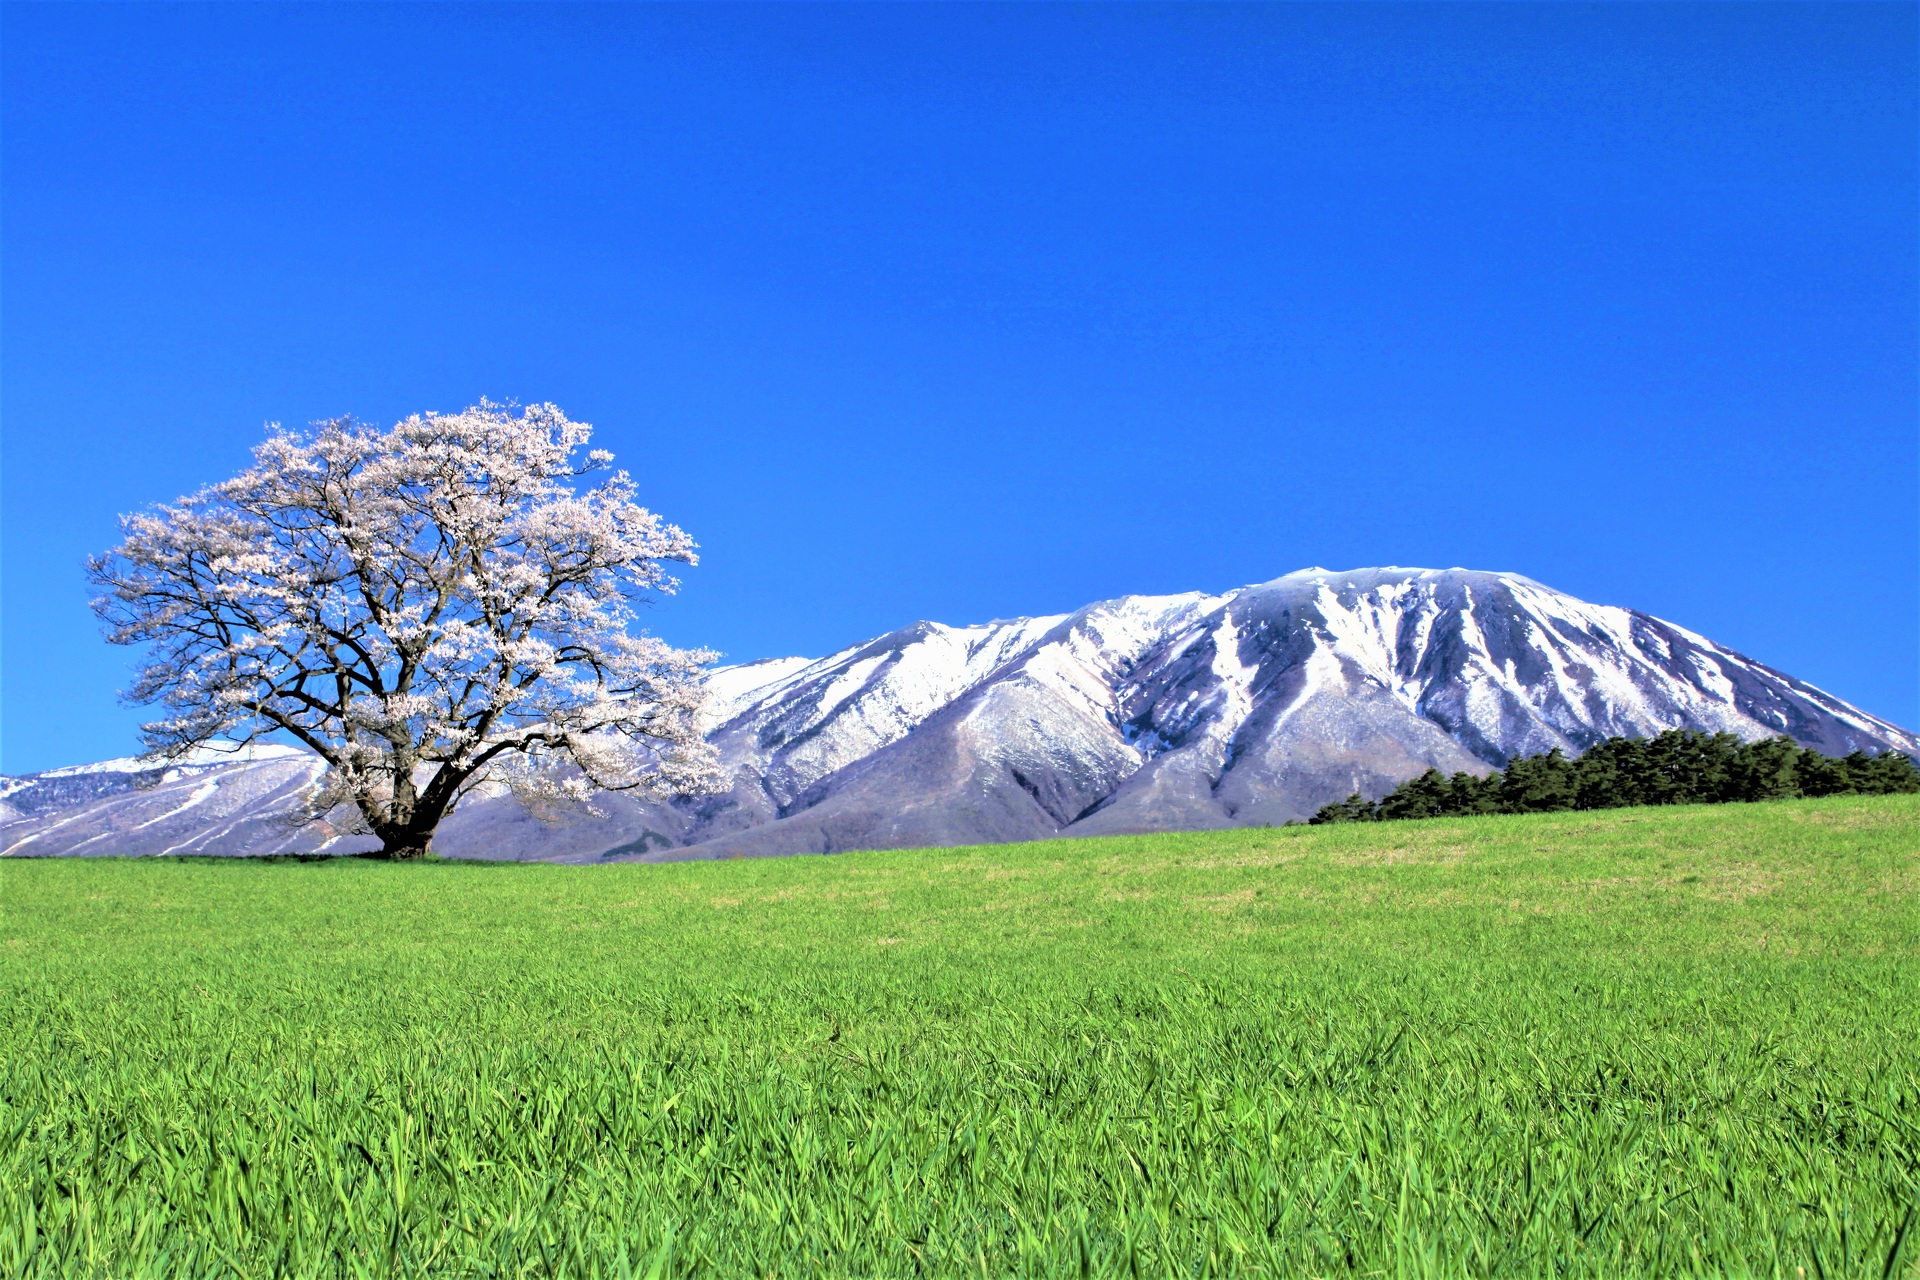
<point x="403" y="845"/>
<point x="404" y="836"/>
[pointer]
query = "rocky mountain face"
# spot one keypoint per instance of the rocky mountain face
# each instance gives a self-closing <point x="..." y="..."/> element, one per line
<point x="1146" y="713"/>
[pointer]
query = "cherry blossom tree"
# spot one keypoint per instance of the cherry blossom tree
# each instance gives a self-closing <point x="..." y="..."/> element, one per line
<point x="431" y="608"/>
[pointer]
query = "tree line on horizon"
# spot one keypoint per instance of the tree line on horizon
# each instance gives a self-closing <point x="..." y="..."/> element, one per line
<point x="1680" y="766"/>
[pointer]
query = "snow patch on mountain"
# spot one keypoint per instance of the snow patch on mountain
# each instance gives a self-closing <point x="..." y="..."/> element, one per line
<point x="203" y="757"/>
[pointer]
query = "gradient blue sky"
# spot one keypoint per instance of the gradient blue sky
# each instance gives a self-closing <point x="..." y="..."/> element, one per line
<point x="968" y="312"/>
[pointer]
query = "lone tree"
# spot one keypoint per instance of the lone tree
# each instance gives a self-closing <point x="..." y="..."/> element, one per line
<point x="430" y="608"/>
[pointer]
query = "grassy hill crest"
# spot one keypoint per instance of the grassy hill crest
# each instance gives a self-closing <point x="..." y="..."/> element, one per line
<point x="1638" y="1041"/>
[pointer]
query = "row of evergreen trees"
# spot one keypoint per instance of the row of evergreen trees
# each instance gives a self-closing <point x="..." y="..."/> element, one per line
<point x="1678" y="767"/>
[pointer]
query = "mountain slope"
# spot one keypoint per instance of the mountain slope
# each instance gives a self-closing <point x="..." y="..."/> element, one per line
<point x="213" y="802"/>
<point x="1304" y="689"/>
<point x="1138" y="714"/>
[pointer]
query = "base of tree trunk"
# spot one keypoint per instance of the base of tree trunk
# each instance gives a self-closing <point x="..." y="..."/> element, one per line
<point x="404" y="853"/>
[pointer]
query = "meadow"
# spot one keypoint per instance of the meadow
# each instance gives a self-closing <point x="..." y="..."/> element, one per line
<point x="1659" y="1042"/>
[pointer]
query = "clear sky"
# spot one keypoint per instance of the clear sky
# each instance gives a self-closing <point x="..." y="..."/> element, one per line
<point x="969" y="312"/>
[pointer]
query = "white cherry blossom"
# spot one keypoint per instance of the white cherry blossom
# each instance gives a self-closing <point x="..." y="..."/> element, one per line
<point x="429" y="607"/>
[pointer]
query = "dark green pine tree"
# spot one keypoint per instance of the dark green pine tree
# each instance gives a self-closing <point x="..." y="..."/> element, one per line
<point x="1538" y="784"/>
<point x="1765" y="770"/>
<point x="1421" y="797"/>
<point x="1606" y="774"/>
<point x="1678" y="766"/>
<point x="1822" y="775"/>
<point x="1355" y="808"/>
<point x="1689" y="768"/>
<point x="1886" y="774"/>
<point x="1468" y="795"/>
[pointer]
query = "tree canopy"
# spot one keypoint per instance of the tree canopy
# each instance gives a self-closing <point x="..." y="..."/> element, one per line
<point x="429" y="607"/>
<point x="1679" y="766"/>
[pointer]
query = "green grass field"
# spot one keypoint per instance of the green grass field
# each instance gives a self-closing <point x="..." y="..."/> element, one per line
<point x="1636" y="1042"/>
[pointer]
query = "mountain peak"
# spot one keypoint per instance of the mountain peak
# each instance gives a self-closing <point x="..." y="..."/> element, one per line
<point x="1138" y="713"/>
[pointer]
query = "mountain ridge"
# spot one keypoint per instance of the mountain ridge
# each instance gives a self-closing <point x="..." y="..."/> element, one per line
<point x="1138" y="713"/>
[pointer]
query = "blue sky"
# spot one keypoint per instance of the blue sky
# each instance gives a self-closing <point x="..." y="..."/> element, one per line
<point x="968" y="312"/>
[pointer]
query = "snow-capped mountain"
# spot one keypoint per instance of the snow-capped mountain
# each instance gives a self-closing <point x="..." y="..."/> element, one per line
<point x="214" y="801"/>
<point x="1144" y="713"/>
